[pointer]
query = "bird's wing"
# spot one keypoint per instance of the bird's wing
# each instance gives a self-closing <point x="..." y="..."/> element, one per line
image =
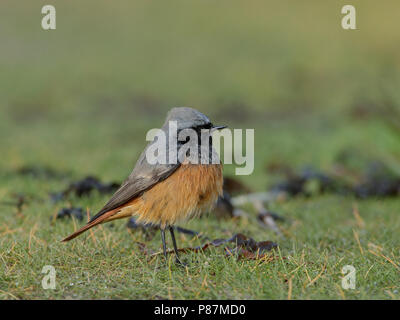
<point x="142" y="178"/>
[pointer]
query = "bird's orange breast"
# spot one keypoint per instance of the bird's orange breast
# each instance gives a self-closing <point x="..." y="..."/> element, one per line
<point x="189" y="191"/>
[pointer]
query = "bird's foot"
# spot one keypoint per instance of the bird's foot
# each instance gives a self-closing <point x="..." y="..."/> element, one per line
<point x="180" y="263"/>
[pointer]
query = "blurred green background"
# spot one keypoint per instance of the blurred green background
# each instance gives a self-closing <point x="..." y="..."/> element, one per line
<point x="82" y="97"/>
<point x="111" y="70"/>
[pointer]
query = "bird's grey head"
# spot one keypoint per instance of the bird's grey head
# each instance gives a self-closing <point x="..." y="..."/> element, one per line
<point x="187" y="118"/>
<point x="179" y="124"/>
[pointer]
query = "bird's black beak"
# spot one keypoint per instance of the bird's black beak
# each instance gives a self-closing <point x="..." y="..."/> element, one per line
<point x="218" y="128"/>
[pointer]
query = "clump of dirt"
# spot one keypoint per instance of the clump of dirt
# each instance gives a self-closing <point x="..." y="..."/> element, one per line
<point x="77" y="213"/>
<point x="85" y="187"/>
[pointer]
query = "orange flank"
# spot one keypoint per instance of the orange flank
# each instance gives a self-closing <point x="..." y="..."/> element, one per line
<point x="191" y="190"/>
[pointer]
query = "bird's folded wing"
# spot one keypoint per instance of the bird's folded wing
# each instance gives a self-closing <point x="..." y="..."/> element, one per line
<point x="143" y="177"/>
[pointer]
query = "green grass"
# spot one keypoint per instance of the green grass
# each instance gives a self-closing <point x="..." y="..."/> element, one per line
<point x="81" y="99"/>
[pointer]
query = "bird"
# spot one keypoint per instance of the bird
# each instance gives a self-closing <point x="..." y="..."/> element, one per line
<point x="163" y="194"/>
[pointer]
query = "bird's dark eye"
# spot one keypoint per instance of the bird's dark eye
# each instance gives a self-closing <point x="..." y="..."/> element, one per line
<point x="206" y="126"/>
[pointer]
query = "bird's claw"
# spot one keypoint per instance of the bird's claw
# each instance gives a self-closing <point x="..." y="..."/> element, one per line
<point x="180" y="263"/>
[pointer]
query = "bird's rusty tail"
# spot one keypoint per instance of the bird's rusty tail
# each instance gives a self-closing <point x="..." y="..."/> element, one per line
<point x="89" y="225"/>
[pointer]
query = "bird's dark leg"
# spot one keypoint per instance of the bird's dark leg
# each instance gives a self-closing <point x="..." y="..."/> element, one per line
<point x="171" y="230"/>
<point x="163" y="243"/>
